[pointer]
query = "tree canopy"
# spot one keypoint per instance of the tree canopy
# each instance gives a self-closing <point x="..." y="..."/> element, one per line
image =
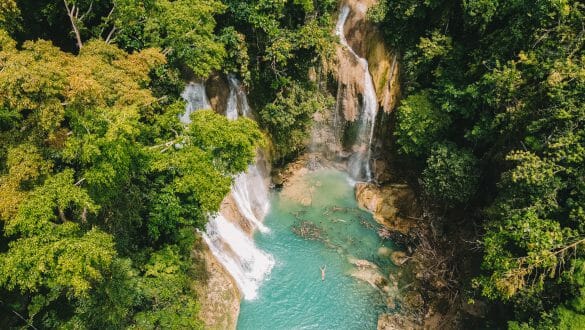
<point x="504" y="80"/>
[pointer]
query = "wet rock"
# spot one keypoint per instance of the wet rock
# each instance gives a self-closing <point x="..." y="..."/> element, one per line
<point x="393" y="206"/>
<point x="399" y="258"/>
<point x="230" y="211"/>
<point x="391" y="303"/>
<point x="218" y="91"/>
<point x="219" y="296"/>
<point x="384" y="251"/>
<point x="368" y="43"/>
<point x="368" y="272"/>
<point x="396" y="322"/>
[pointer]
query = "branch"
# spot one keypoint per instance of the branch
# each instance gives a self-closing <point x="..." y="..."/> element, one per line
<point x="109" y="37"/>
<point x="87" y="12"/>
<point x="19" y="316"/>
<point x="73" y="13"/>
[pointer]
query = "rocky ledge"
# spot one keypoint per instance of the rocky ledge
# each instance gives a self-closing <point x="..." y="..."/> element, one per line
<point x="423" y="285"/>
<point x="219" y="295"/>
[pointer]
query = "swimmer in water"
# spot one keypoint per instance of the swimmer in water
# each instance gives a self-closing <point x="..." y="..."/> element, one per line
<point x="323" y="272"/>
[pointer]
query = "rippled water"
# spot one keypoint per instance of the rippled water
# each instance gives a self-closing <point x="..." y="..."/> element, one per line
<point x="294" y="296"/>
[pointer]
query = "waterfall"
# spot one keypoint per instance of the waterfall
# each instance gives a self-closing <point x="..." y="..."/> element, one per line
<point x="229" y="244"/>
<point x="237" y="103"/>
<point x="359" y="163"/>
<point x="249" y="189"/>
<point x="196" y="98"/>
<point x="250" y="193"/>
<point x="237" y="252"/>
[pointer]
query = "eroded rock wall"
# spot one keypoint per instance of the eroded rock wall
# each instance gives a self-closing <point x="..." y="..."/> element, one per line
<point x="366" y="40"/>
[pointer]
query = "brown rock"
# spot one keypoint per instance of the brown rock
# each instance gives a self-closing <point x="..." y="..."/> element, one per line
<point x="398" y="258"/>
<point x="367" y="41"/>
<point x="230" y="211"/>
<point x="219" y="295"/>
<point x="218" y="91"/>
<point x="391" y="303"/>
<point x="396" y="322"/>
<point x="393" y="206"/>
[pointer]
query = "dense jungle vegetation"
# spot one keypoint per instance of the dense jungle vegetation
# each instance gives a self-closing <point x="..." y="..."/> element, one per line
<point x="102" y="188"/>
<point x="494" y="112"/>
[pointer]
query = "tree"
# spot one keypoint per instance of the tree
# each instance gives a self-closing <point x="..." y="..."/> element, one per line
<point x="508" y="78"/>
<point x="420" y="124"/>
<point x="89" y="161"/>
<point x="451" y="174"/>
<point x="289" y="117"/>
<point x="184" y="29"/>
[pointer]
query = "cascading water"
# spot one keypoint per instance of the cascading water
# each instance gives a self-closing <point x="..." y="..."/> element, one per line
<point x="230" y="245"/>
<point x="237" y="252"/>
<point x="359" y="163"/>
<point x="237" y="103"/>
<point x="196" y="98"/>
<point x="251" y="195"/>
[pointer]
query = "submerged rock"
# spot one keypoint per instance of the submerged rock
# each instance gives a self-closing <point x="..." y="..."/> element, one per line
<point x="308" y="230"/>
<point x="384" y="251"/>
<point x="368" y="272"/>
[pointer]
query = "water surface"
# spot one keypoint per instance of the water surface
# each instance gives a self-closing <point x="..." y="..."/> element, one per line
<point x="294" y="296"/>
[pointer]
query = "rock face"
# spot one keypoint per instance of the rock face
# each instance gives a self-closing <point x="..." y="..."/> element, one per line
<point x="219" y="296"/>
<point x="230" y="211"/>
<point x="395" y="322"/>
<point x="218" y="91"/>
<point x="368" y="43"/>
<point x="393" y="206"/>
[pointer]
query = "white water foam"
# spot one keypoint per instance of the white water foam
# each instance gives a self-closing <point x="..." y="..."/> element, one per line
<point x="237" y="252"/>
<point x="196" y="98"/>
<point x="250" y="193"/>
<point x="237" y="103"/>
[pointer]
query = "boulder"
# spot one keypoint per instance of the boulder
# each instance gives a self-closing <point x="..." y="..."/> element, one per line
<point x="218" y="91"/>
<point x="368" y="272"/>
<point x="393" y="206"/>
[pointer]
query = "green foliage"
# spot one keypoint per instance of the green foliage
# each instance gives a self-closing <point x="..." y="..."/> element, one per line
<point x="284" y="40"/>
<point x="232" y="143"/>
<point x="237" y="59"/>
<point x="508" y="77"/>
<point x="451" y="174"/>
<point x="420" y="124"/>
<point x="89" y="162"/>
<point x="9" y="15"/>
<point x="183" y="28"/>
<point x="289" y="118"/>
<point x="166" y="283"/>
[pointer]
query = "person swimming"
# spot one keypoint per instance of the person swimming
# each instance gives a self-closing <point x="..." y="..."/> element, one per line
<point x="323" y="272"/>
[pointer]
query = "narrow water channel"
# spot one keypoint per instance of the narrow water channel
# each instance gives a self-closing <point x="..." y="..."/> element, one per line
<point x="330" y="231"/>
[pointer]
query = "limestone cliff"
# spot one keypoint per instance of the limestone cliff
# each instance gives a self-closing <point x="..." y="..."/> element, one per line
<point x="365" y="39"/>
